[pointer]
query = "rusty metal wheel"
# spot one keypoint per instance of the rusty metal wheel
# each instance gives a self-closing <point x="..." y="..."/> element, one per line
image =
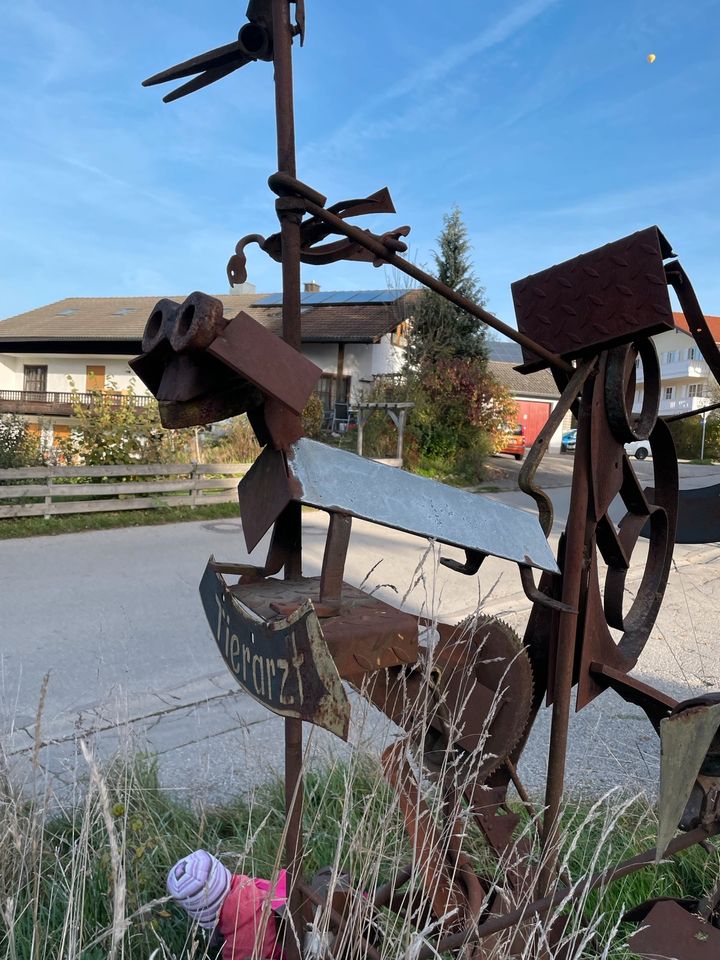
<point x="482" y="687"/>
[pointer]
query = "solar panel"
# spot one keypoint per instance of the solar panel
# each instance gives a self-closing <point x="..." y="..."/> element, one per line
<point x="504" y="351"/>
<point x="335" y="296"/>
<point x="272" y="299"/>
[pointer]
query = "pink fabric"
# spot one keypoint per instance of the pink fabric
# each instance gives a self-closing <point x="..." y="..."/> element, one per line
<point x="279" y="891"/>
<point x="247" y="932"/>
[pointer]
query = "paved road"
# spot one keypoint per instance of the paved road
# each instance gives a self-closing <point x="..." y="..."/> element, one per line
<point x="556" y="471"/>
<point x="115" y="618"/>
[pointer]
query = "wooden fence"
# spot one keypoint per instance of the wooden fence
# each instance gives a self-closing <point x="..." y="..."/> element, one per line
<point x="51" y="491"/>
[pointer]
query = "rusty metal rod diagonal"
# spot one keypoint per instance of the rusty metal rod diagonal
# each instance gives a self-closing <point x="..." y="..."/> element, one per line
<point x="545" y="904"/>
<point x="376" y="246"/>
<point x="692" y="413"/>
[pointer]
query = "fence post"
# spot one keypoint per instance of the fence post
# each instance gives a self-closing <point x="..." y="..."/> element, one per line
<point x="195" y="480"/>
<point x="48" y="497"/>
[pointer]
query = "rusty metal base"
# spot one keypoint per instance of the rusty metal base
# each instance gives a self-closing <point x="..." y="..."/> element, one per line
<point x="363" y="634"/>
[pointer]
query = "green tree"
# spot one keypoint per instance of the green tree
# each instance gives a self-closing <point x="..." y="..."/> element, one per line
<point x="440" y="330"/>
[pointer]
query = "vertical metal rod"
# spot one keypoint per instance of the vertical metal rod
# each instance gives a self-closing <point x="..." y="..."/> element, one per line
<point x="290" y="233"/>
<point x="573" y="573"/>
<point x="294" y="837"/>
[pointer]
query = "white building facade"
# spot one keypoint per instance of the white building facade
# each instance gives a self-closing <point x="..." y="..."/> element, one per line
<point x="686" y="381"/>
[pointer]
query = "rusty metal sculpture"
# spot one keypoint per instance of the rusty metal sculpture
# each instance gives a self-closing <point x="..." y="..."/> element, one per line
<point x="290" y="642"/>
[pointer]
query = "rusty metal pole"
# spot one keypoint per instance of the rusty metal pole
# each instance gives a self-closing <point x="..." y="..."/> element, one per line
<point x="290" y="231"/>
<point x="574" y="570"/>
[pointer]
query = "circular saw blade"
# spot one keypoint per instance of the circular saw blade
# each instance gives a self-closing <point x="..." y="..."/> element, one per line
<point x="483" y="690"/>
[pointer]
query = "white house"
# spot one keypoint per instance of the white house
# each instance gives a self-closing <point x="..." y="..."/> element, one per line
<point x="686" y="381"/>
<point x="86" y="343"/>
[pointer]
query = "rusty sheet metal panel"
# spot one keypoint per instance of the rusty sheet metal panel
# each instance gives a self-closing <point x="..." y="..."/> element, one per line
<point x="337" y="480"/>
<point x="606" y="297"/>
<point x="284" y="664"/>
<point x="265" y="360"/>
<point x="672" y="933"/>
<point x="365" y="634"/>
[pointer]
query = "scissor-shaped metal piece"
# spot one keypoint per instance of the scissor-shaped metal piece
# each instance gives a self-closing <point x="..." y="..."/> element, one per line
<point x="254" y="42"/>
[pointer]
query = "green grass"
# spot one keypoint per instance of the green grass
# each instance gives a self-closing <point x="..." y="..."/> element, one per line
<point x="13" y="527"/>
<point x="57" y="872"/>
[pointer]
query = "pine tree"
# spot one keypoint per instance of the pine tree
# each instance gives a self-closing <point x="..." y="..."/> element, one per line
<point x="441" y="330"/>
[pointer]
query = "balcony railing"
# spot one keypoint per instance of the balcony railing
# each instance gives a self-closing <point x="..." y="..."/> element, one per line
<point x="21" y="401"/>
<point x="677" y="406"/>
<point x="679" y="369"/>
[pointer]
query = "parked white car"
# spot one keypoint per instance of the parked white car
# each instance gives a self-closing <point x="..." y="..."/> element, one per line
<point x="639" y="448"/>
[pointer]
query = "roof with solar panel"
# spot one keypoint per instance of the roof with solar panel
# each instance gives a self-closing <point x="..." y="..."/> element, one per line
<point x="333" y="316"/>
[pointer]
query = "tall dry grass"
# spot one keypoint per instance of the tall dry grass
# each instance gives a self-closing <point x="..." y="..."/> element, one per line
<point x="86" y="879"/>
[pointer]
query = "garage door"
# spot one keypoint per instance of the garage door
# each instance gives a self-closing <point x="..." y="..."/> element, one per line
<point x="533" y="414"/>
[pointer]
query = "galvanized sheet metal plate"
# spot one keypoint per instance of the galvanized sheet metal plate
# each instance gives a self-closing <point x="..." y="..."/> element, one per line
<point x="335" y="479"/>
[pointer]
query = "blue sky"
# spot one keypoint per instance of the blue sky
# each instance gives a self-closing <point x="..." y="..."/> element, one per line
<point x="541" y="119"/>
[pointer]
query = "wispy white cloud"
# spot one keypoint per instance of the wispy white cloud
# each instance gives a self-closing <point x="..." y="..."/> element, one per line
<point x="405" y="93"/>
<point x="646" y="197"/>
<point x="46" y="46"/>
<point x="452" y="58"/>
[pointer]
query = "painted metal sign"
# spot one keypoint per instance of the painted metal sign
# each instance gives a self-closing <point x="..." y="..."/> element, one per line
<point x="284" y="664"/>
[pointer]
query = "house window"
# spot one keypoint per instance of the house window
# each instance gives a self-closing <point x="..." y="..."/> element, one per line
<point x="330" y="392"/>
<point x="94" y="378"/>
<point x="696" y="390"/>
<point x="691" y="353"/>
<point x="669" y="393"/>
<point x="60" y="432"/>
<point x="35" y="379"/>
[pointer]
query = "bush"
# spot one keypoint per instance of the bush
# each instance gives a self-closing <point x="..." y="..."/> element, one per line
<point x="461" y="411"/>
<point x="236" y="445"/>
<point x="687" y="435"/>
<point x="18" y="447"/>
<point x="312" y="417"/>
<point x="112" y="430"/>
